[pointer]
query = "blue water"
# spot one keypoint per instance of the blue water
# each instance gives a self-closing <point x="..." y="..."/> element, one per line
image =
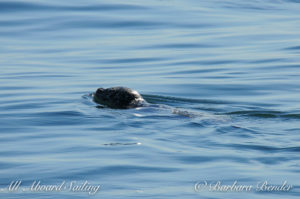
<point x="234" y="65"/>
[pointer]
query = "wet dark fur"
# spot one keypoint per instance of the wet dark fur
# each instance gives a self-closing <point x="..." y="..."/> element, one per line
<point x="118" y="97"/>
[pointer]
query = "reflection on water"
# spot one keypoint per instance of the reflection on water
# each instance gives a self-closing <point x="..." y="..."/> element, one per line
<point x="233" y="66"/>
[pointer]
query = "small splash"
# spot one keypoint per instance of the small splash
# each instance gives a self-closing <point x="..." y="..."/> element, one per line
<point x="88" y="96"/>
<point x="138" y="115"/>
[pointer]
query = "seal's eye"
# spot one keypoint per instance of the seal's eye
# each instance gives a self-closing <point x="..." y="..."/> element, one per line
<point x="99" y="90"/>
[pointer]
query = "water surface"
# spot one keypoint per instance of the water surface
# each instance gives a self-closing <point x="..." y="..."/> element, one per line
<point x="233" y="64"/>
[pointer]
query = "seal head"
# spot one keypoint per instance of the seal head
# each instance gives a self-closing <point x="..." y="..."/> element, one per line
<point x="118" y="97"/>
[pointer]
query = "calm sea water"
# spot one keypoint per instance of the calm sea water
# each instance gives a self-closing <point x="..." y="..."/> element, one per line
<point x="232" y="65"/>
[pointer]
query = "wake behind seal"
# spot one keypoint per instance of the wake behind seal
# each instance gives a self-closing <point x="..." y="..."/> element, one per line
<point x="118" y="98"/>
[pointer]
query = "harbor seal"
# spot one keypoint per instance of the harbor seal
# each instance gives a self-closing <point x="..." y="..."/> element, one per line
<point x="118" y="98"/>
<point x="126" y="98"/>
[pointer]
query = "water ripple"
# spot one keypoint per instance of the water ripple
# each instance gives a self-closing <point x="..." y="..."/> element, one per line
<point x="17" y="6"/>
<point x="266" y="114"/>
